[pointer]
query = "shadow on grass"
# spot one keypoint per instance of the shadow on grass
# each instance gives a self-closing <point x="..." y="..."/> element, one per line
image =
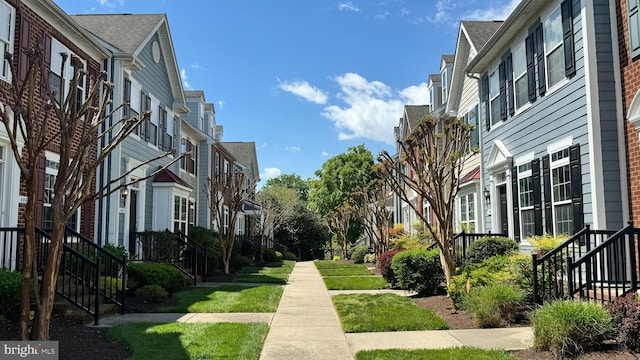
<point x="145" y="343"/>
<point x="225" y="299"/>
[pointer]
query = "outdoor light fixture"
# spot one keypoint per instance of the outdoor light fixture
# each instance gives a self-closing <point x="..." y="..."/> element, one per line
<point x="124" y="192"/>
<point x="487" y="195"/>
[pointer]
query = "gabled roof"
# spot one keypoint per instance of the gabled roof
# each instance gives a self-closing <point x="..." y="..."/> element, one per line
<point x="130" y="33"/>
<point x="470" y="176"/>
<point x="245" y="154"/>
<point x="413" y="114"/>
<point x="472" y="35"/>
<point x="168" y="176"/>
<point x="435" y="78"/>
<point x="448" y="59"/>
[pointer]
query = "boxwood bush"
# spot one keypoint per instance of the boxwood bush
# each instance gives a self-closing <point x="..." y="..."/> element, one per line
<point x="489" y="246"/>
<point x="164" y="275"/>
<point x="419" y="270"/>
<point x="10" y="285"/>
<point x="568" y="328"/>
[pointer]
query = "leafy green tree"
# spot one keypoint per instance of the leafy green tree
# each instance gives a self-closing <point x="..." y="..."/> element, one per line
<point x="274" y="201"/>
<point x="291" y="181"/>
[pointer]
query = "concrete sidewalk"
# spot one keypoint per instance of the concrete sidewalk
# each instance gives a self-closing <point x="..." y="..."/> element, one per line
<point x="306" y="326"/>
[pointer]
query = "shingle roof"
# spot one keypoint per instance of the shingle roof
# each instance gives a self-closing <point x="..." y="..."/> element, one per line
<point x="448" y="58"/>
<point x="124" y="31"/>
<point x="167" y="176"/>
<point x="245" y="154"/>
<point x="415" y="113"/>
<point x="434" y="77"/>
<point x="479" y="32"/>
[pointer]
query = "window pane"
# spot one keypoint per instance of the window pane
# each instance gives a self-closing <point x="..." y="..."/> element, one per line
<point x="528" y="223"/>
<point x="495" y="111"/>
<point x="553" y="30"/>
<point x="494" y="84"/>
<point x="522" y="92"/>
<point x="519" y="60"/>
<point x="555" y="66"/>
<point x="564" y="219"/>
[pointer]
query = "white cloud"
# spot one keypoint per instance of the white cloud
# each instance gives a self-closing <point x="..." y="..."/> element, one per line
<point x="264" y="145"/>
<point x="270" y="172"/>
<point x="371" y="108"/>
<point x="221" y="104"/>
<point x="293" y="149"/>
<point x="183" y="75"/>
<point x="110" y="4"/>
<point x="381" y="15"/>
<point x="197" y="66"/>
<point x="443" y="11"/>
<point x="348" y="6"/>
<point x="499" y="12"/>
<point x="304" y="90"/>
<point x="404" y="12"/>
<point x="325" y="154"/>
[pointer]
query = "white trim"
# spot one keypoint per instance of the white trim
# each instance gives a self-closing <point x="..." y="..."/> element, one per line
<point x="559" y="145"/>
<point x="499" y="156"/>
<point x="593" y="116"/>
<point x="633" y="114"/>
<point x="523" y="159"/>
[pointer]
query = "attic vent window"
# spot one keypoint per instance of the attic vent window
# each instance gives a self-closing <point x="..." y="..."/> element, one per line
<point x="155" y="51"/>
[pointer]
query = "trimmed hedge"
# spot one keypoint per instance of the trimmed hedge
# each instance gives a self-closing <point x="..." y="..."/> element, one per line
<point x="166" y="276"/>
<point x="489" y="246"/>
<point x="419" y="270"/>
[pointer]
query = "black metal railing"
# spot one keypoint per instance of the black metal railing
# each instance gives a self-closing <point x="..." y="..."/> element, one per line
<point x="462" y="241"/>
<point x="10" y="245"/>
<point x="550" y="269"/>
<point x="171" y="248"/>
<point x="79" y="280"/>
<point x="608" y="270"/>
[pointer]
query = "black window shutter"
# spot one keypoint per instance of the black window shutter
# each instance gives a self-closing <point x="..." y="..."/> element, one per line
<point x="46" y="65"/>
<point x="634" y="26"/>
<point x="537" y="196"/>
<point x="567" y="36"/>
<point x="539" y="41"/>
<point x="485" y="100"/>
<point x="548" y="208"/>
<point x="502" y="77"/>
<point x="516" y="203"/>
<point x="531" y="68"/>
<point x="576" y="187"/>
<point x="40" y="178"/>
<point x="23" y="57"/>
<point x="510" y="90"/>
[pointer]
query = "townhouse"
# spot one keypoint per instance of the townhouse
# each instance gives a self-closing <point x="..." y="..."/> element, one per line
<point x="25" y="25"/>
<point x="553" y="148"/>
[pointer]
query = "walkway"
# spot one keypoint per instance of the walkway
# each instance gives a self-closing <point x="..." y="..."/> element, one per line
<point x="306" y="326"/>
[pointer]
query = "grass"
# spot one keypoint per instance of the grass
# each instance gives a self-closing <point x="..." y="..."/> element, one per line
<point x="436" y="354"/>
<point x="355" y="283"/>
<point x="226" y="299"/>
<point x="191" y="340"/>
<point x="270" y="273"/>
<point x="384" y="312"/>
<point x="330" y="268"/>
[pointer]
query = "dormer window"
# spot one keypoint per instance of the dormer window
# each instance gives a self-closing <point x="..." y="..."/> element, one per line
<point x="444" y="85"/>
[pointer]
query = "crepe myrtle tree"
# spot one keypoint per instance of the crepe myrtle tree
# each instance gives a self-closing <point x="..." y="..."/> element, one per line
<point x="81" y="129"/>
<point x="227" y="195"/>
<point x="431" y="161"/>
<point x="374" y="213"/>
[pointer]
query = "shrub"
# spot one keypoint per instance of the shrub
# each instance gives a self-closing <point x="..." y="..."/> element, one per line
<point x="546" y="242"/>
<point x="514" y="269"/>
<point x="271" y="255"/>
<point x="278" y="256"/>
<point x="625" y="311"/>
<point x="336" y="258"/>
<point x="489" y="246"/>
<point x="289" y="256"/>
<point x="370" y="258"/>
<point x="419" y="270"/>
<point x="495" y="305"/>
<point x="406" y="242"/>
<point x="568" y="328"/>
<point x="358" y="253"/>
<point x="10" y="285"/>
<point x="151" y="293"/>
<point x="209" y="239"/>
<point x="166" y="276"/>
<point x="110" y="285"/>
<point x="384" y="266"/>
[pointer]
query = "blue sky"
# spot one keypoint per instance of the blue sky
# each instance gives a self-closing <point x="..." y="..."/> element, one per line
<point x="305" y="80"/>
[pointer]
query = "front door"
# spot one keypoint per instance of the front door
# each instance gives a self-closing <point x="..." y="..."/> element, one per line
<point x="502" y="209"/>
<point x="133" y="220"/>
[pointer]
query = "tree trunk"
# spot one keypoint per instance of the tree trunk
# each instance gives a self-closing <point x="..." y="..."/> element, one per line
<point x="28" y="263"/>
<point x="42" y="318"/>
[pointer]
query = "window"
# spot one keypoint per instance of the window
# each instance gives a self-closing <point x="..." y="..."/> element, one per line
<point x="471" y="118"/>
<point x="134" y="103"/>
<point x="189" y="161"/>
<point x="526" y="200"/>
<point x="216" y="167"/>
<point x="225" y="220"/>
<point x="7" y="30"/>
<point x="554" y="52"/>
<point x="183" y="149"/>
<point x="163" y="142"/>
<point x="180" y="213"/>
<point x="468" y="213"/>
<point x="494" y="97"/>
<point x="61" y="73"/>
<point x="444" y="85"/>
<point x="633" y="12"/>
<point x="52" y="164"/>
<point x="153" y="123"/>
<point x="519" y="73"/>
<point x="192" y="212"/>
<point x="561" y="192"/>
<point x="145" y="126"/>
<point x="2" y="174"/>
<point x="225" y="175"/>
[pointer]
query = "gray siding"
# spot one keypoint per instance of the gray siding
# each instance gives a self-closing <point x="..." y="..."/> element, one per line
<point x="563" y="112"/>
<point x="154" y="78"/>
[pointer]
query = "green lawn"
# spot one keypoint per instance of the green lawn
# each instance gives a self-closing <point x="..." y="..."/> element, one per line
<point x="436" y="354"/>
<point x="331" y="268"/>
<point x="226" y="299"/>
<point x="355" y="282"/>
<point x="191" y="340"/>
<point x="383" y="312"/>
<point x="270" y="273"/>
